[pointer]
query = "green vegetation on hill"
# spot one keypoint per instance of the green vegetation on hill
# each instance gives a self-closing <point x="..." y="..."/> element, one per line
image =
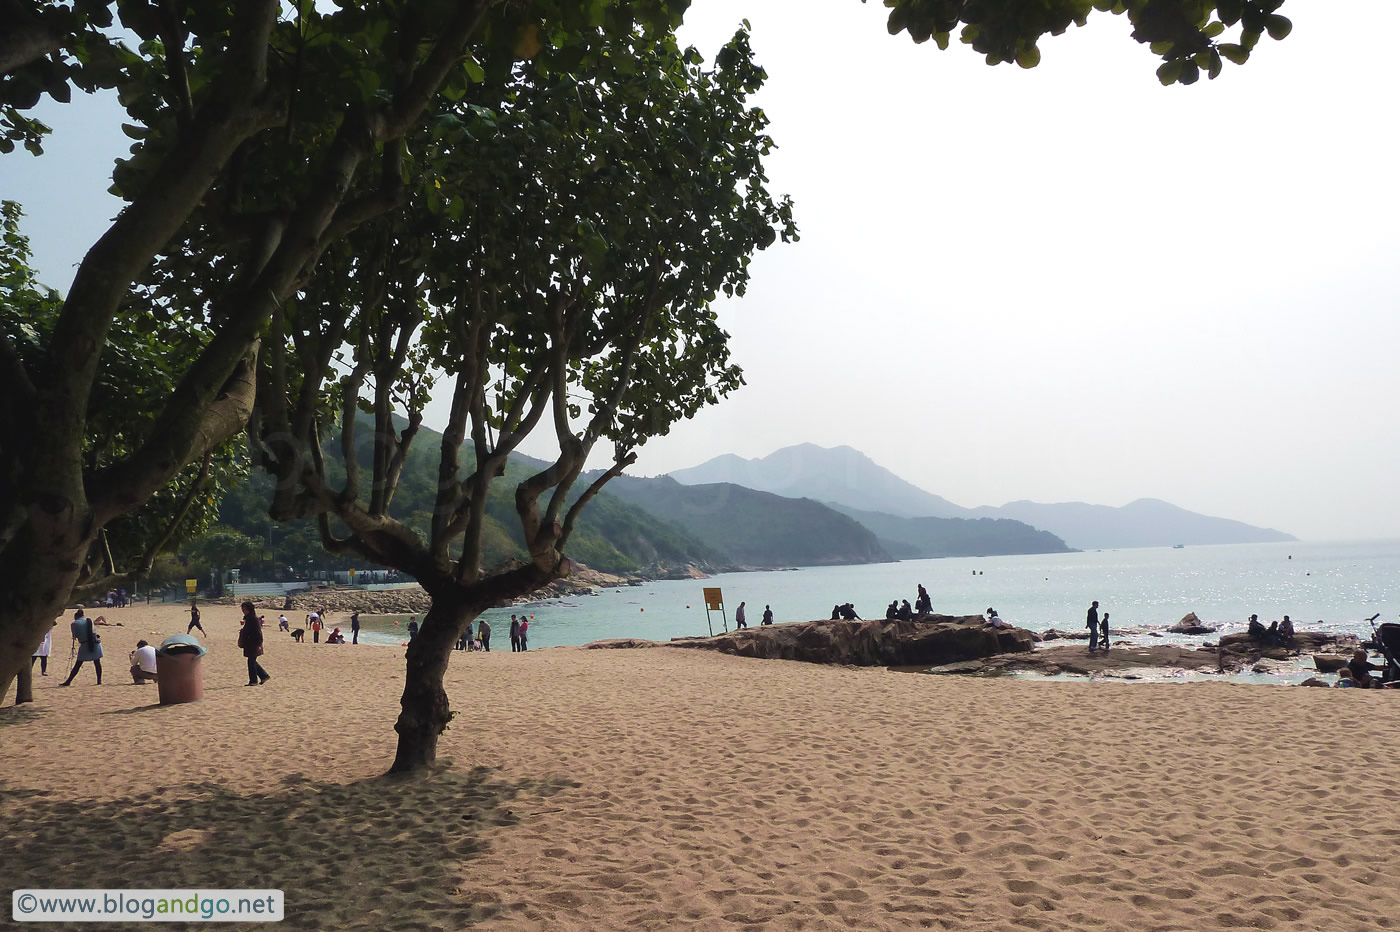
<point x="612" y="536"/>
<point x="754" y="529"/>
<point x="917" y="538"/>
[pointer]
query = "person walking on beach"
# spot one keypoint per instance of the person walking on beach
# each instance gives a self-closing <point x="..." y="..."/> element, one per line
<point x="524" y="633"/>
<point x="1091" y="622"/>
<point x="767" y="615"/>
<point x="739" y="621"/>
<point x="412" y="628"/>
<point x="514" y="634"/>
<point x="1103" y="631"/>
<point x="194" y="620"/>
<point x="89" y="646"/>
<point x="485" y="632"/>
<point x="250" y="639"/>
<point x="355" y="628"/>
<point x="41" y="653"/>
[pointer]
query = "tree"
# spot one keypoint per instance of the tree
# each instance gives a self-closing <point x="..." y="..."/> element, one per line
<point x="326" y="97"/>
<point x="562" y="276"/>
<point x="220" y="548"/>
<point x="1187" y="34"/>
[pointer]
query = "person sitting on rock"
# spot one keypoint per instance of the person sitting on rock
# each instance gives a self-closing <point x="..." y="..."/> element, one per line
<point x="892" y="611"/>
<point x="1271" y="635"/>
<point x="835" y="612"/>
<point x="1256" y="630"/>
<point x="1285" y="630"/>
<point x="994" y="619"/>
<point x="923" y="605"/>
<point x="905" y="612"/>
<point x="848" y="612"/>
<point x="767" y="615"/>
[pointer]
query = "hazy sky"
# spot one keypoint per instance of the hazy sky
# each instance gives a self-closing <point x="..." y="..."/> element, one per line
<point x="1068" y="283"/>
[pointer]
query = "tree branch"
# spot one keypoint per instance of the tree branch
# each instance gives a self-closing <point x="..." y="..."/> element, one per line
<point x="29" y="36"/>
<point x="592" y="490"/>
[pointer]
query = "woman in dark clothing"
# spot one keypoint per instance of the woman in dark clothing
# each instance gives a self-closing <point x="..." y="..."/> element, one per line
<point x="89" y="646"/>
<point x="250" y="638"/>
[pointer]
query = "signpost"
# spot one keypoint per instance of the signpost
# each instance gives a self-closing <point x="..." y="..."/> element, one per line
<point x="714" y="601"/>
<point x="191" y="585"/>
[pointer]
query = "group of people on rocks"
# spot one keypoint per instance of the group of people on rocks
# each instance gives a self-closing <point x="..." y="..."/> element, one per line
<point x="1098" y="627"/>
<point x="1277" y="634"/>
<point x="899" y="610"/>
<point x="741" y="621"/>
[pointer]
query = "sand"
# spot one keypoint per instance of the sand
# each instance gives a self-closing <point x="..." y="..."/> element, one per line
<point x="661" y="788"/>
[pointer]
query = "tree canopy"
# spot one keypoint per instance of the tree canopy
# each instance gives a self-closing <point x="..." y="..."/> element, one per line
<point x="216" y="95"/>
<point x="1189" y="35"/>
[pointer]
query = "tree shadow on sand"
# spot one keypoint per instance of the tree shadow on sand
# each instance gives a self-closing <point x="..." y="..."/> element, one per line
<point x="380" y="853"/>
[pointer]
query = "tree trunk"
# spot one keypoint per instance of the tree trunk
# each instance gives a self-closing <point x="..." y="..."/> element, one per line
<point x="24" y="684"/>
<point x="425" y="710"/>
<point x="28" y="609"/>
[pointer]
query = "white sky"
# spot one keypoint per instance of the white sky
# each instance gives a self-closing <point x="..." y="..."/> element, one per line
<point x="1061" y="284"/>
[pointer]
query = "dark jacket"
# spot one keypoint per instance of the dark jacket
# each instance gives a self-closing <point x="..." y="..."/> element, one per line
<point x="250" y="636"/>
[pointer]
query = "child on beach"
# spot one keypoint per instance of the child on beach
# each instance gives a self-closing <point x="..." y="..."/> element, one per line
<point x="1103" y="631"/>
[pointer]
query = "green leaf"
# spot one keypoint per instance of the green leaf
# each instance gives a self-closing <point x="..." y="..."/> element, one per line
<point x="1169" y="72"/>
<point x="473" y="68"/>
<point x="1028" y="57"/>
<point x="1278" y="26"/>
<point x="1235" y="53"/>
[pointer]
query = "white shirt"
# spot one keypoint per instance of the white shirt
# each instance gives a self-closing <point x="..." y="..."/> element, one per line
<point x="146" y="658"/>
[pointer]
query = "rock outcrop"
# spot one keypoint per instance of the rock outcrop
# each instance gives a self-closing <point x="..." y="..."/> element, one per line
<point x="1246" y="649"/>
<point x="1190" y="624"/>
<point x="932" y="640"/>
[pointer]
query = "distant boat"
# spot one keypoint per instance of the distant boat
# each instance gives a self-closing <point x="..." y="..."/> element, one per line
<point x="1178" y="546"/>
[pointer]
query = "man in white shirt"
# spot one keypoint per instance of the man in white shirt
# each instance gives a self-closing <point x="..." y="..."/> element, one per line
<point x="143" y="663"/>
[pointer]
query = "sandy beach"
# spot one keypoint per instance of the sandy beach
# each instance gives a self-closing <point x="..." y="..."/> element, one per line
<point x="662" y="788"/>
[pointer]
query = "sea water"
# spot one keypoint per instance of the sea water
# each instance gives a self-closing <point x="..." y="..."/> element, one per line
<point x="1329" y="586"/>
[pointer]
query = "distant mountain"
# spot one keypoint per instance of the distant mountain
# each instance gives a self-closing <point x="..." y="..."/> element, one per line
<point x="919" y="538"/>
<point x="1147" y="522"/>
<point x="752" y="528"/>
<point x="837" y="474"/>
<point x="851" y="481"/>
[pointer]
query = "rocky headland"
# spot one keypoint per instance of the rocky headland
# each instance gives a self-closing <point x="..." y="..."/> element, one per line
<point x="930" y="640"/>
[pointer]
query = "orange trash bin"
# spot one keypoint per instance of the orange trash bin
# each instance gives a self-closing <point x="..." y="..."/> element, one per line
<point x="179" y="673"/>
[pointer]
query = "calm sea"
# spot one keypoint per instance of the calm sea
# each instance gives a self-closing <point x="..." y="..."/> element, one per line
<point x="1320" y="585"/>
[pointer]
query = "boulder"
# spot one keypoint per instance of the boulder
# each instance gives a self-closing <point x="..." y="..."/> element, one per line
<point x="1330" y="663"/>
<point x="1190" y="624"/>
<point x="1314" y="681"/>
<point x="933" y="640"/>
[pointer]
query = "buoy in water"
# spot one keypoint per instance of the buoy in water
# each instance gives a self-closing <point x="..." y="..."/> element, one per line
<point x="641" y="609"/>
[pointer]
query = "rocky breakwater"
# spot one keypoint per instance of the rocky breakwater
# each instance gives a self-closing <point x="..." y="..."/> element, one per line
<point x="927" y="641"/>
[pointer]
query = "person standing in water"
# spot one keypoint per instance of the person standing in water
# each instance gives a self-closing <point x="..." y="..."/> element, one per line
<point x="1091" y="621"/>
<point x="355" y="628"/>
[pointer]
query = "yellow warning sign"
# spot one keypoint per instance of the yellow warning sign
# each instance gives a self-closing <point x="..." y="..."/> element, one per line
<point x="191" y="585"/>
<point x="713" y="599"/>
